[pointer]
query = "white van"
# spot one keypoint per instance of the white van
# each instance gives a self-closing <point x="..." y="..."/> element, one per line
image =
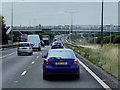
<point x="35" y="41"/>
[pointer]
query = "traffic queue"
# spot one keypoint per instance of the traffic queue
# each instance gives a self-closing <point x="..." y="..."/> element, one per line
<point x="58" y="60"/>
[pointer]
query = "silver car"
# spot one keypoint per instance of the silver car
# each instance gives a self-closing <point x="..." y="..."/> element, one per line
<point x="24" y="47"/>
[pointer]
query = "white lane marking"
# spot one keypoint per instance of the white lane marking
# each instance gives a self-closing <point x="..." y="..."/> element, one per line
<point x="33" y="62"/>
<point x="15" y="81"/>
<point x="24" y="73"/>
<point x="95" y="76"/>
<point x="37" y="56"/>
<point x="35" y="52"/>
<point x="42" y="48"/>
<point x="8" y="55"/>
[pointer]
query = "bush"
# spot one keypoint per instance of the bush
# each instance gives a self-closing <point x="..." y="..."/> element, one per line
<point x="98" y="40"/>
<point x="106" y="40"/>
<point x="112" y="38"/>
<point x="116" y="39"/>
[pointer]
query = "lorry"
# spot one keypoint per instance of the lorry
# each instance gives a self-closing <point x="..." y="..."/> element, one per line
<point x="46" y="39"/>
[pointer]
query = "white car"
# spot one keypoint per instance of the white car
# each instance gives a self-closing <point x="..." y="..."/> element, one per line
<point x="24" y="47"/>
<point x="34" y="41"/>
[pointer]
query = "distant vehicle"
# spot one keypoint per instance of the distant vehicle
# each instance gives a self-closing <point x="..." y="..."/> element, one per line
<point x="42" y="43"/>
<point x="24" y="47"/>
<point x="24" y="37"/>
<point x="55" y="39"/>
<point x="35" y="41"/>
<point x="57" y="44"/>
<point x="46" y="39"/>
<point x="60" y="62"/>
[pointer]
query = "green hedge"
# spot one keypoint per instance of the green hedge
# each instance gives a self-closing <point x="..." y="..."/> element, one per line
<point x="114" y="39"/>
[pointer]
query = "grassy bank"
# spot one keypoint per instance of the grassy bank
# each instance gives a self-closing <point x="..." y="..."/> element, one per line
<point x="10" y="47"/>
<point x="105" y="57"/>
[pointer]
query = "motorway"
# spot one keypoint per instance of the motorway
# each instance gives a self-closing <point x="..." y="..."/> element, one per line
<point x="26" y="72"/>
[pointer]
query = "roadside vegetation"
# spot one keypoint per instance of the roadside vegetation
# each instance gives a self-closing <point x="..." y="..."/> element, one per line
<point x="105" y="57"/>
<point x="10" y="47"/>
<point x="95" y="37"/>
<point x="3" y="30"/>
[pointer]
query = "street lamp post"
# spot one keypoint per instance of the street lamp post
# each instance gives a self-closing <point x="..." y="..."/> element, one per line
<point x="34" y="22"/>
<point x="110" y="36"/>
<point x="102" y="26"/>
<point x="71" y="28"/>
<point x="94" y="37"/>
<point x="12" y="23"/>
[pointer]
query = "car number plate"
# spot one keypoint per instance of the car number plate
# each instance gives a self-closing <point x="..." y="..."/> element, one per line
<point x="61" y="63"/>
<point x="23" y="48"/>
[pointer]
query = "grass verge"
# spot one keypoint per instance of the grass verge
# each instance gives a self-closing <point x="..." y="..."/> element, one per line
<point x="106" y="57"/>
<point x="9" y="47"/>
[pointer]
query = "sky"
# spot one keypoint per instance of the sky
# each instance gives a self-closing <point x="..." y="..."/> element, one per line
<point x="59" y="13"/>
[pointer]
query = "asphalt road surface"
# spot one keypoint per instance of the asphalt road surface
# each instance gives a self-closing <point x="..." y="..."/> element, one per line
<point x="26" y="72"/>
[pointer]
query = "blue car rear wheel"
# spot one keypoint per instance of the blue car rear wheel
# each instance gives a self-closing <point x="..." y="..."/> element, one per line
<point x="45" y="76"/>
<point x="77" y="76"/>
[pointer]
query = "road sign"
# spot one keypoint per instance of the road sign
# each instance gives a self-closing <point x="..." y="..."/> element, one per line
<point x="8" y="31"/>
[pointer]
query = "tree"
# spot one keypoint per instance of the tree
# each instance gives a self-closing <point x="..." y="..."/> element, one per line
<point x="4" y="35"/>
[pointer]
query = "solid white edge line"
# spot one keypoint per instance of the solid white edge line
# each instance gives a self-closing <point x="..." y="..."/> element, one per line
<point x="7" y="55"/>
<point x="24" y="73"/>
<point x="95" y="76"/>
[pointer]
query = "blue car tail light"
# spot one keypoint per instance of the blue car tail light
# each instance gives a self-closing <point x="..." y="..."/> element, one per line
<point x="75" y="62"/>
<point x="73" y="71"/>
<point x="47" y="62"/>
<point x="61" y="46"/>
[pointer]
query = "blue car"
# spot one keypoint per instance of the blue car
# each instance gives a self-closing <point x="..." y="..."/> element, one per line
<point x="60" y="61"/>
<point x="57" y="45"/>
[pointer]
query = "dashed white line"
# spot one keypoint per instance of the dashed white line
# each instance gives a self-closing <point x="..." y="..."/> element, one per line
<point x="33" y="62"/>
<point x="35" y="52"/>
<point x="15" y="81"/>
<point x="95" y="76"/>
<point x="37" y="56"/>
<point x="24" y="73"/>
<point x="8" y="55"/>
